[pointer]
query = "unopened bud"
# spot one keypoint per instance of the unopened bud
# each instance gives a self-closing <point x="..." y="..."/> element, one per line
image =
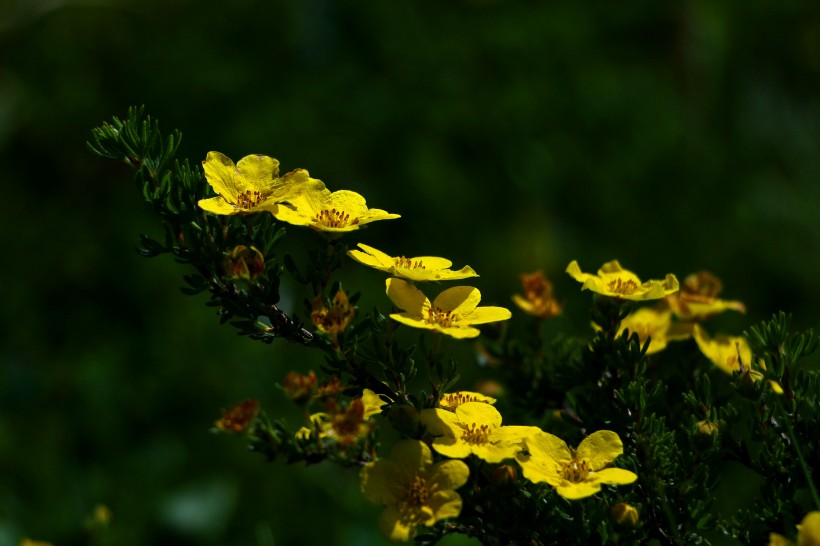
<point x="299" y="387"/>
<point x="707" y="427"/>
<point x="504" y="474"/>
<point x="624" y="514"/>
<point x="239" y="417"/>
<point x="244" y="262"/>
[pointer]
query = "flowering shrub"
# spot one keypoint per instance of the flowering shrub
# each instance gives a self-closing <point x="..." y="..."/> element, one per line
<point x="654" y="428"/>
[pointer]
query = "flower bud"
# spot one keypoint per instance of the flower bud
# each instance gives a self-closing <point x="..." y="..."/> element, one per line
<point x="624" y="514"/>
<point x="504" y="474"/>
<point x="239" y="417"/>
<point x="244" y="262"/>
<point x="334" y="318"/>
<point x="707" y="427"/>
<point x="299" y="387"/>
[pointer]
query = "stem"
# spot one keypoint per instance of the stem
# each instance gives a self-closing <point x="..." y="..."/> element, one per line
<point x="805" y="467"/>
<point x="436" y="346"/>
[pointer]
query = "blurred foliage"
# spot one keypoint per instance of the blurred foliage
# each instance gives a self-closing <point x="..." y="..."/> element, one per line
<point x="674" y="136"/>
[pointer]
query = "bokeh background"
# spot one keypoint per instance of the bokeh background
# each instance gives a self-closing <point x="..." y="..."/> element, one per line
<point x="510" y="135"/>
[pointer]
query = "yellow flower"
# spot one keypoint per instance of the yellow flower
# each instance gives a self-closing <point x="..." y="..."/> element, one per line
<point x="537" y="299"/>
<point x="648" y="322"/>
<point x="322" y="210"/>
<point x="698" y="298"/>
<point x="808" y="533"/>
<point x="453" y="312"/>
<point x="423" y="268"/>
<point x="451" y="400"/>
<point x="333" y="319"/>
<point x="239" y="417"/>
<point x="29" y="542"/>
<point x="616" y="282"/>
<point x="414" y="490"/>
<point x="252" y="185"/>
<point x="728" y="353"/>
<point x="474" y="428"/>
<point x="574" y="473"/>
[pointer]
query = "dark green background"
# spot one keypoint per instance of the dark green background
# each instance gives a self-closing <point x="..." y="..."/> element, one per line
<point x="509" y="135"/>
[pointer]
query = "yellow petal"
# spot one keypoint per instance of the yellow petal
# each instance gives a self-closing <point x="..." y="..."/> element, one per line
<point x="574" y="491"/>
<point x="407" y="297"/>
<point x="449" y="275"/>
<point x="372" y="257"/>
<point x="777" y="390"/>
<point x="392" y="526"/>
<point x="433" y="262"/>
<point x="483" y="315"/>
<point x="575" y="272"/>
<point x="478" y="413"/>
<point x="451" y="447"/>
<point x="615" y="267"/>
<point x="459" y="332"/>
<point x="440" y="422"/>
<point x="413" y="320"/>
<point x="779" y="540"/>
<point x="600" y="448"/>
<point x="258" y="172"/>
<point x="412" y="455"/>
<point x="544" y="445"/>
<point x="615" y="476"/>
<point x="372" y="403"/>
<point x="540" y="470"/>
<point x="382" y="482"/>
<point x="373" y="215"/>
<point x="219" y="172"/>
<point x="725" y="352"/>
<point x="448" y="475"/>
<point x="514" y="435"/>
<point x="460" y="299"/>
<point x="295" y="183"/>
<point x="350" y="202"/>
<point x="445" y="504"/>
<point x="494" y="453"/>
<point x="304" y="208"/>
<point x="809" y="530"/>
<point x="218" y="205"/>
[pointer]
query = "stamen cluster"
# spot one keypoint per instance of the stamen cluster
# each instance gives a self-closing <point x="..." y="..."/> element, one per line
<point x="445" y="319"/>
<point x="249" y="199"/>
<point x="619" y="286"/>
<point x="408" y="263"/>
<point x="475" y="434"/>
<point x="333" y="218"/>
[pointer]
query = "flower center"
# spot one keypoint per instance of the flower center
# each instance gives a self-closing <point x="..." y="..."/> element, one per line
<point x="407" y="263"/>
<point x="619" y="286"/>
<point x="576" y="471"/>
<point x="248" y="200"/>
<point x="475" y="434"/>
<point x="445" y="319"/>
<point x="334" y="218"/>
<point x="417" y="492"/>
